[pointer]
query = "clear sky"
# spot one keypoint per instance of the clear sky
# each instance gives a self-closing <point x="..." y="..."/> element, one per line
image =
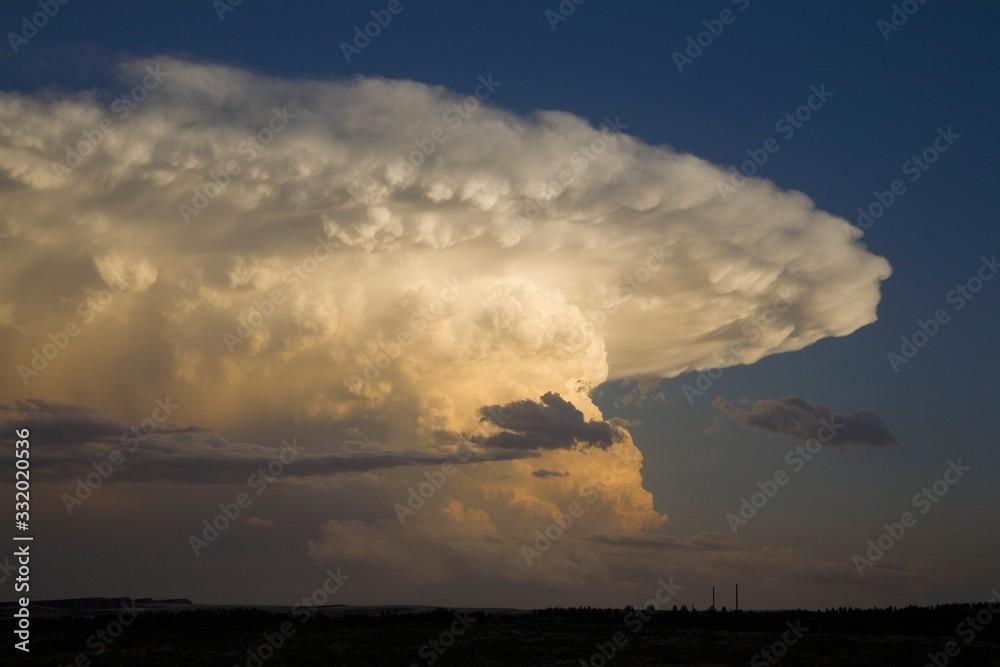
<point x="494" y="251"/>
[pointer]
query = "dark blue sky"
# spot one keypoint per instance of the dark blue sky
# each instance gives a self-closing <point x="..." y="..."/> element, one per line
<point x="940" y="69"/>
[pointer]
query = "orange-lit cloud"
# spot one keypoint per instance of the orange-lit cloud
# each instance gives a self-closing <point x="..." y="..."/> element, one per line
<point x="257" y="248"/>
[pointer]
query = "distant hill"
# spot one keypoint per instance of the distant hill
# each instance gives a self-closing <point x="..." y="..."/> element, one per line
<point x="88" y="606"/>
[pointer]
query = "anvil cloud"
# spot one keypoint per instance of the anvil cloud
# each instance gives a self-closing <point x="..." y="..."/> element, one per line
<point x="335" y="255"/>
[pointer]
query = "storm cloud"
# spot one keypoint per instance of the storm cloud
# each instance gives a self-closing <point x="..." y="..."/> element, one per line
<point x="798" y="418"/>
<point x="291" y="260"/>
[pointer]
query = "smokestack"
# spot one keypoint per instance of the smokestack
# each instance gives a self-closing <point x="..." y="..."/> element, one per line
<point x="713" y="598"/>
<point x="737" y="597"/>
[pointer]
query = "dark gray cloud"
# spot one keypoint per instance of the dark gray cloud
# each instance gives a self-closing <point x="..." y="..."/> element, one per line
<point x="66" y="424"/>
<point x="549" y="473"/>
<point x="552" y="423"/>
<point x="176" y="462"/>
<point x="700" y="542"/>
<point x="798" y="418"/>
<point x="70" y="439"/>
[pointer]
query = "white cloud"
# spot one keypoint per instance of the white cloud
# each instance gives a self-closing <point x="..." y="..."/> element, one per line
<point x="362" y="251"/>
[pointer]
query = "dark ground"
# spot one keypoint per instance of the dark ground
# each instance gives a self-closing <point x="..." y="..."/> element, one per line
<point x="551" y="637"/>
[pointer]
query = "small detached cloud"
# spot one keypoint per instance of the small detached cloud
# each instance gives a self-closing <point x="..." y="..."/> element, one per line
<point x="642" y="392"/>
<point x="257" y="522"/>
<point x="543" y="473"/>
<point x="798" y="418"/>
<point x="553" y="423"/>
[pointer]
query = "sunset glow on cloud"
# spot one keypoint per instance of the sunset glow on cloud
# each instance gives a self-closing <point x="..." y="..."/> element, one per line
<point x="253" y="247"/>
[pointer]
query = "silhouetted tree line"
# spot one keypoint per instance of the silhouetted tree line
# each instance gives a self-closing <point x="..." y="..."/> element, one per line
<point x="936" y="621"/>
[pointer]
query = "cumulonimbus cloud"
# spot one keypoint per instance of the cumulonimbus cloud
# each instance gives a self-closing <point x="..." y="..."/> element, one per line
<point x="290" y="255"/>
